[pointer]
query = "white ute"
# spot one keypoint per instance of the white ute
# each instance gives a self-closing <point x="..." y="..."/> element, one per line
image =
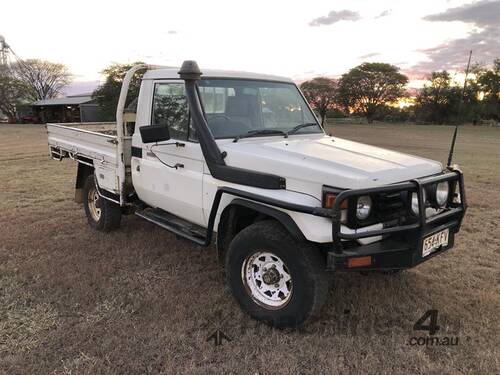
<point x="240" y="158"/>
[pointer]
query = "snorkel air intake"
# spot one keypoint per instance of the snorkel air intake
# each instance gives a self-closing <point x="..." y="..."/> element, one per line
<point x="191" y="74"/>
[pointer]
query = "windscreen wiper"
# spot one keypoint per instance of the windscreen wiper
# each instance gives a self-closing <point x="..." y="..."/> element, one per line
<point x="295" y="129"/>
<point x="257" y="132"/>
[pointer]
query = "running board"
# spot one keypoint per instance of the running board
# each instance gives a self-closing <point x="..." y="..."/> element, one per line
<point x="175" y="224"/>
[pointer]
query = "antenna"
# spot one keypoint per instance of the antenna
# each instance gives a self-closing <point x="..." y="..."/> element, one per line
<point x="452" y="147"/>
<point x="461" y="102"/>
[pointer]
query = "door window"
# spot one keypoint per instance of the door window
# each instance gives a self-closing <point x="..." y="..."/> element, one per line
<point x="170" y="109"/>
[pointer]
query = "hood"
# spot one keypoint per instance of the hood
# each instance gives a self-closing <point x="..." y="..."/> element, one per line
<point x="325" y="160"/>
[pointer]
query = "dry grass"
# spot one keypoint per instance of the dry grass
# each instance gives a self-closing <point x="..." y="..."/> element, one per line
<point x="141" y="301"/>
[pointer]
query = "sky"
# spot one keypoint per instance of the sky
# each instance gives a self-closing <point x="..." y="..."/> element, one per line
<point x="298" y="39"/>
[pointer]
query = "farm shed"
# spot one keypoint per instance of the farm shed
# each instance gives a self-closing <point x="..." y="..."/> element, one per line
<point x="75" y="108"/>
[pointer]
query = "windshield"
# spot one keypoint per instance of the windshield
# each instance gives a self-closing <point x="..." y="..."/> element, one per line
<point x="239" y="107"/>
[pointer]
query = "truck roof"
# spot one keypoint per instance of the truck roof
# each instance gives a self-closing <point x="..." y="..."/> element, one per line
<point x="171" y="73"/>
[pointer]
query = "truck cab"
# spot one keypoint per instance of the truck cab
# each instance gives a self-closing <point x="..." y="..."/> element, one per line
<point x="241" y="160"/>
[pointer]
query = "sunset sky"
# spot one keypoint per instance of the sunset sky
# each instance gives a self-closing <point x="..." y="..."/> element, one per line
<point x="300" y="39"/>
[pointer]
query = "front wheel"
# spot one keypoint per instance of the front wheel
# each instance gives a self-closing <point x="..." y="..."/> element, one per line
<point x="102" y="214"/>
<point x="275" y="279"/>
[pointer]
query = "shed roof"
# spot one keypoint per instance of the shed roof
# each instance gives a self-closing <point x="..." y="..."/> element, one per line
<point x="69" y="100"/>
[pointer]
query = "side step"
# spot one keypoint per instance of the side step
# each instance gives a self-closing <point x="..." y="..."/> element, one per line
<point x="175" y="224"/>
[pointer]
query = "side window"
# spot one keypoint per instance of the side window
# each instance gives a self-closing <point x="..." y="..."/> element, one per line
<point x="170" y="109"/>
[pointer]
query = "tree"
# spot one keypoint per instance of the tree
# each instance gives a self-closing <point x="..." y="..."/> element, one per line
<point x="320" y="93"/>
<point x="12" y="93"/>
<point x="488" y="81"/>
<point x="107" y="95"/>
<point x="437" y="102"/>
<point x="44" y="79"/>
<point x="440" y="102"/>
<point x="369" y="87"/>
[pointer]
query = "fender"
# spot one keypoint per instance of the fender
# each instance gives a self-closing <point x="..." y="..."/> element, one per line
<point x="227" y="220"/>
<point x="280" y="216"/>
<point x="82" y="172"/>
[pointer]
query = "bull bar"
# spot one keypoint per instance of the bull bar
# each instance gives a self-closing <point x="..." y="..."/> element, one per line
<point x="390" y="254"/>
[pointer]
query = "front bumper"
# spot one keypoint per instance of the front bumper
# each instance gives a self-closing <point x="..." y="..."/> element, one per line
<point x="401" y="246"/>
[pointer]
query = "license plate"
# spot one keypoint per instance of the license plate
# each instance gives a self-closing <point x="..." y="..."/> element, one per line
<point x="434" y="242"/>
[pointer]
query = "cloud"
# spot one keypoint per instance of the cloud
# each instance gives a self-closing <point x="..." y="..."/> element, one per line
<point x="385" y="13"/>
<point x="368" y="55"/>
<point x="482" y="13"/>
<point x="334" y="16"/>
<point x="484" y="40"/>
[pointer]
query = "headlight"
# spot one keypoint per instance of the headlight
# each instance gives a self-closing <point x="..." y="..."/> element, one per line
<point x="363" y="207"/>
<point x="442" y="192"/>
<point x="414" y="202"/>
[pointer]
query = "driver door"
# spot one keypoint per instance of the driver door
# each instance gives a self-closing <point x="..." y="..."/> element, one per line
<point x="158" y="183"/>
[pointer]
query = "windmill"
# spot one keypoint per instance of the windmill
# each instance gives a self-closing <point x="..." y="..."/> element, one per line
<point x="4" y="52"/>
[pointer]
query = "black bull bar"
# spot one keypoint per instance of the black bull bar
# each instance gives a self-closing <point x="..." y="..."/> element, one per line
<point x="423" y="226"/>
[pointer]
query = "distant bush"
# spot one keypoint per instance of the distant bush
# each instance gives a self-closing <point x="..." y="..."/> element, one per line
<point x="335" y="113"/>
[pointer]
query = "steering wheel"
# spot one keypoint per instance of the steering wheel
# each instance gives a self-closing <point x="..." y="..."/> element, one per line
<point x="222" y="125"/>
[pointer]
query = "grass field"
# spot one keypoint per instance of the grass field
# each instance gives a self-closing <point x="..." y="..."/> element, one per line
<point x="139" y="300"/>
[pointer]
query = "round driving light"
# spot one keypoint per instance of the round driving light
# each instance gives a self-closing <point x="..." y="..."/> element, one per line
<point x="414" y="202"/>
<point x="442" y="192"/>
<point x="363" y="207"/>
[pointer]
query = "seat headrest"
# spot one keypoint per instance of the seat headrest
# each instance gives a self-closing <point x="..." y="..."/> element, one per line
<point x="238" y="105"/>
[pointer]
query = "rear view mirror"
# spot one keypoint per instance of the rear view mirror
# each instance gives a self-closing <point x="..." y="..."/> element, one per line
<point x="154" y="133"/>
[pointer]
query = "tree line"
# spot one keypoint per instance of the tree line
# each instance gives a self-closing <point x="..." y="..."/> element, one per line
<point x="370" y="90"/>
<point x="374" y="90"/>
<point x="30" y="80"/>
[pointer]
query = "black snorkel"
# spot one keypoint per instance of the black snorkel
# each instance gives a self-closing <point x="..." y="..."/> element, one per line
<point x="191" y="73"/>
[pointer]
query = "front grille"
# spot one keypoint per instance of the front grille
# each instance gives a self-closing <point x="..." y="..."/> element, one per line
<point x="391" y="206"/>
<point x="390" y="202"/>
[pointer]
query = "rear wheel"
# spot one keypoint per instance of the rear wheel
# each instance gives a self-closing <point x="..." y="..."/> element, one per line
<point x="274" y="278"/>
<point x="102" y="214"/>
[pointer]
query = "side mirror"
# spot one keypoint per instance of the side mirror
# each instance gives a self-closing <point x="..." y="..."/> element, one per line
<point x="154" y="133"/>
